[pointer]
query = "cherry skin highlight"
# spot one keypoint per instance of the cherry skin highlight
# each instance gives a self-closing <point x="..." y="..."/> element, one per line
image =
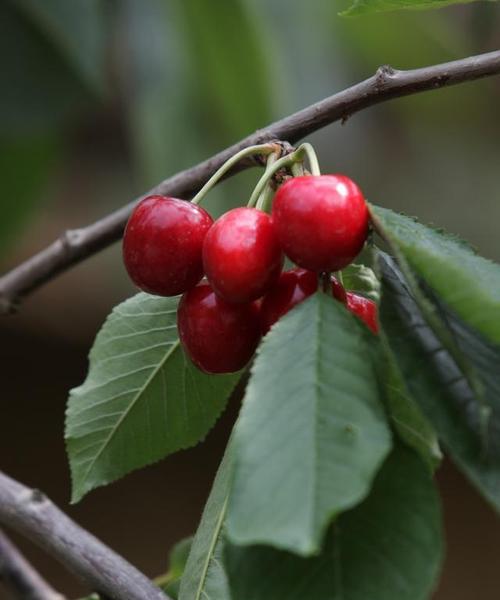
<point x="162" y="245"/>
<point x="242" y="257"/>
<point x="218" y="337"/>
<point x="321" y="221"/>
<point x="365" y="309"/>
<point x="292" y="287"/>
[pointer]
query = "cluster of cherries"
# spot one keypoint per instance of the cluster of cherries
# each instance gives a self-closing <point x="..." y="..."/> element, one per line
<point x="319" y="222"/>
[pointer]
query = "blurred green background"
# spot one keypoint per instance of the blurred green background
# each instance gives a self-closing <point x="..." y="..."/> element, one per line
<point x="104" y="98"/>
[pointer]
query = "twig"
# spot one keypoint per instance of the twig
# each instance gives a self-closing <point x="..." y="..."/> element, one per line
<point x="75" y="245"/>
<point x="20" y="577"/>
<point x="33" y="515"/>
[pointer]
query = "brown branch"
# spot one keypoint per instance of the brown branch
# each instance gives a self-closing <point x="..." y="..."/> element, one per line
<point x="75" y="245"/>
<point x="18" y="576"/>
<point x="33" y="515"/>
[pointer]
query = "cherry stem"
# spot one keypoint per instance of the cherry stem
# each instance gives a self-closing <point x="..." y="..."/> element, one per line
<point x="298" y="170"/>
<point x="287" y="161"/>
<point x="325" y="279"/>
<point x="264" y="201"/>
<point x="340" y="279"/>
<point x="312" y="158"/>
<point x="263" y="149"/>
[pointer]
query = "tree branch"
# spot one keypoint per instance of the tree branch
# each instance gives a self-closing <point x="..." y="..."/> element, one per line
<point x="33" y="515"/>
<point x="75" y="245"/>
<point x="20" y="577"/>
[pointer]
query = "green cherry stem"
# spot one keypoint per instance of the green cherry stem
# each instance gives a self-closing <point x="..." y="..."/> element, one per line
<point x="286" y="161"/>
<point x="312" y="158"/>
<point x="325" y="282"/>
<point x="298" y="169"/>
<point x="263" y="149"/>
<point x="290" y="160"/>
<point x="265" y="199"/>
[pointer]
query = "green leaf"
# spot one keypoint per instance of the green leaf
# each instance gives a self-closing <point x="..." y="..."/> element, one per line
<point x="76" y="30"/>
<point x="438" y="385"/>
<point x="363" y="7"/>
<point x="388" y="548"/>
<point x="170" y="583"/>
<point x="312" y="431"/>
<point x="142" y="399"/>
<point x="361" y="279"/>
<point x="204" y="576"/>
<point x="408" y="420"/>
<point x="467" y="283"/>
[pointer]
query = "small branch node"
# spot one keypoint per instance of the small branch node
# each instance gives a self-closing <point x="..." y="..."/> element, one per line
<point x="383" y="75"/>
<point x="37" y="497"/>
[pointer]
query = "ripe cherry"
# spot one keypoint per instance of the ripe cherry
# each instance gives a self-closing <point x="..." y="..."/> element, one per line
<point x="321" y="221"/>
<point x="162" y="245"/>
<point x="291" y="288"/>
<point x="363" y="308"/>
<point x="219" y="337"/>
<point x="241" y="255"/>
<point x="338" y="290"/>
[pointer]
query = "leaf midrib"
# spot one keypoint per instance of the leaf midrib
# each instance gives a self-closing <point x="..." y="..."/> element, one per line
<point x="315" y="426"/>
<point x="136" y="398"/>
<point x="211" y="549"/>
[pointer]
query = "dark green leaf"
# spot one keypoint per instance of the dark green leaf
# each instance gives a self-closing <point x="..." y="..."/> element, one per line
<point x="142" y="399"/>
<point x="467" y="283"/>
<point x="204" y="576"/>
<point x="411" y="425"/>
<point x="312" y="432"/>
<point x="438" y="385"/>
<point x="388" y="548"/>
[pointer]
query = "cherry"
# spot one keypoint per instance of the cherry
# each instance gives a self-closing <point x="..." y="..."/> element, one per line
<point x="296" y="285"/>
<point x="219" y="337"/>
<point x="291" y="288"/>
<point x="162" y="245"/>
<point x="363" y="308"/>
<point x="338" y="290"/>
<point x="241" y="255"/>
<point x="321" y="221"/>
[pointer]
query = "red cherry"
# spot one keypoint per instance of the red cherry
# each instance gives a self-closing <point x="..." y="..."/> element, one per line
<point x="241" y="255"/>
<point x="321" y="221"/>
<point x="338" y="290"/>
<point x="291" y="288"/>
<point x="219" y="337"/>
<point x="162" y="245"/>
<point x="363" y="308"/>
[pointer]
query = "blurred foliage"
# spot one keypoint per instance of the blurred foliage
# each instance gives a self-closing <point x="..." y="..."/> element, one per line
<point x="76" y="30"/>
<point x="174" y="81"/>
<point x="52" y="66"/>
<point x="362" y="7"/>
<point x="25" y="164"/>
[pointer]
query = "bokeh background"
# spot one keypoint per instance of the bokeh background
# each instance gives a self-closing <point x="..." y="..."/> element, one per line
<point x="102" y="99"/>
